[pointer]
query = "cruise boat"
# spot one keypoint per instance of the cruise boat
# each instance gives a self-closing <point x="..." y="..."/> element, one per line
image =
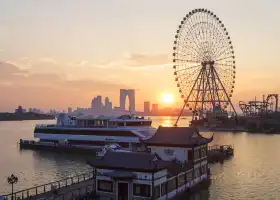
<point x="126" y="130"/>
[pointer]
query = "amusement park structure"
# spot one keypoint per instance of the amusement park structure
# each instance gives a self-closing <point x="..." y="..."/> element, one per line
<point x="269" y="104"/>
<point x="204" y="64"/>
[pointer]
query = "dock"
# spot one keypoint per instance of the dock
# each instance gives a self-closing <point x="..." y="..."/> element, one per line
<point x="58" y="147"/>
<point x="219" y="153"/>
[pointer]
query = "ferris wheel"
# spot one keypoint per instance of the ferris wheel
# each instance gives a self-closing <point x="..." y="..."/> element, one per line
<point x="204" y="63"/>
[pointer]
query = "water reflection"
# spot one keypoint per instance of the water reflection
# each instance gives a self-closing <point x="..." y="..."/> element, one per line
<point x="167" y="122"/>
<point x="253" y="172"/>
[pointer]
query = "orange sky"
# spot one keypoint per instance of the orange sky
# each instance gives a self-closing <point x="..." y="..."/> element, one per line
<point x="59" y="54"/>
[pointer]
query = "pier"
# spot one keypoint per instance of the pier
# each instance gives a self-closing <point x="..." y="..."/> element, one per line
<point x="68" y="188"/>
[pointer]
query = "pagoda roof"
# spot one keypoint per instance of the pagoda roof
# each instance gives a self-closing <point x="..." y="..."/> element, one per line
<point x="130" y="161"/>
<point x="177" y="137"/>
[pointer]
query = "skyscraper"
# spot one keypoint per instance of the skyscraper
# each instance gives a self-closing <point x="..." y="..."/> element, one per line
<point x="96" y="105"/>
<point x="131" y="98"/>
<point x="147" y="107"/>
<point x="108" y="105"/>
<point x="154" y="108"/>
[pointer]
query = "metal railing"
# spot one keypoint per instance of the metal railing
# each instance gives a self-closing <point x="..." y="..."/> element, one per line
<point x="85" y="191"/>
<point x="31" y="192"/>
<point x="220" y="147"/>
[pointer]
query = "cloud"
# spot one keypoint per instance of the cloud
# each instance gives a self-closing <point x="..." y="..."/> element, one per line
<point x="48" y="60"/>
<point x="8" y="70"/>
<point x="44" y="90"/>
<point x="133" y="61"/>
<point x="140" y="60"/>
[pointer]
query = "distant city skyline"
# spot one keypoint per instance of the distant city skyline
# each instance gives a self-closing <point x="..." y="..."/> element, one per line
<point x="126" y="106"/>
<point x="51" y="59"/>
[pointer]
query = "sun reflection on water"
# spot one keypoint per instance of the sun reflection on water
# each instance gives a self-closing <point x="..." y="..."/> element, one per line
<point x="167" y="122"/>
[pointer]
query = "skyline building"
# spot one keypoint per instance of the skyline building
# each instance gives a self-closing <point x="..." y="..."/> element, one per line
<point x="154" y="108"/>
<point x="96" y="104"/>
<point x="130" y="93"/>
<point x="108" y="105"/>
<point x="69" y="110"/>
<point x="147" y="108"/>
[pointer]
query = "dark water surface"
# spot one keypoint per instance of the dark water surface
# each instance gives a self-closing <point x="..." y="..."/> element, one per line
<point x="253" y="172"/>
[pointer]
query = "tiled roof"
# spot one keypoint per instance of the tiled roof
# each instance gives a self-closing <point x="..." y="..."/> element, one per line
<point x="177" y="137"/>
<point x="133" y="161"/>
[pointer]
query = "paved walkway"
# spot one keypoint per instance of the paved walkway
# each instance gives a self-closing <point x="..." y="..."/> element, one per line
<point x="67" y="192"/>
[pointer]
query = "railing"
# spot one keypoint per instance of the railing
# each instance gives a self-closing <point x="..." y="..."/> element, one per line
<point x="24" y="194"/>
<point x="219" y="147"/>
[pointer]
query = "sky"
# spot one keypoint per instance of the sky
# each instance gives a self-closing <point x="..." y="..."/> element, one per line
<point x="55" y="54"/>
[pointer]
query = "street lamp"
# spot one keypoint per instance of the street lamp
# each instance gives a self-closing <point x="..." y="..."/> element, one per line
<point x="12" y="180"/>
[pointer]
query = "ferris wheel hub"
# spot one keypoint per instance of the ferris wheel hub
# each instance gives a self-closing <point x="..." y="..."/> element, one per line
<point x="205" y="63"/>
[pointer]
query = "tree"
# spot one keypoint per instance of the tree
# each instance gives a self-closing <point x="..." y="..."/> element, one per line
<point x="12" y="180"/>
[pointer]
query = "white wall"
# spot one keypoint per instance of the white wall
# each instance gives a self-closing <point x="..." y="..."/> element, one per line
<point x="160" y="174"/>
<point x="179" y="153"/>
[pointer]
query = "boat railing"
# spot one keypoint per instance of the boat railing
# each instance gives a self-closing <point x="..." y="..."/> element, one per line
<point x="89" y="126"/>
<point x="45" y="125"/>
<point x="33" y="191"/>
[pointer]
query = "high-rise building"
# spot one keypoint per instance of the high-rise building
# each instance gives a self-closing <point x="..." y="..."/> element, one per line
<point x="96" y="103"/>
<point x="107" y="101"/>
<point x="147" y="108"/>
<point x="154" y="108"/>
<point x="69" y="110"/>
<point x="131" y="98"/>
<point x="108" y="105"/>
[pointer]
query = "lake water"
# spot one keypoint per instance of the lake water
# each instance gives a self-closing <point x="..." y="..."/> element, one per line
<point x="253" y="172"/>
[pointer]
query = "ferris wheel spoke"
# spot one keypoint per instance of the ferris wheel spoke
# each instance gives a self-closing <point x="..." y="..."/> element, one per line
<point x="199" y="32"/>
<point x="227" y="65"/>
<point x="223" y="58"/>
<point x="187" y="61"/>
<point x="215" y="36"/>
<point x="190" y="75"/>
<point x="183" y="54"/>
<point x="189" y="46"/>
<point x="191" y="33"/>
<point x="224" y="52"/>
<point x="221" y="41"/>
<point x="187" y="68"/>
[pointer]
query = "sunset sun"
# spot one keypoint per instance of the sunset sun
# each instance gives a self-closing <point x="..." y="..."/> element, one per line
<point x="167" y="98"/>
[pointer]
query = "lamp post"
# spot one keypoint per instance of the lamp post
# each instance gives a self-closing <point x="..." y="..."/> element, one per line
<point x="12" y="180"/>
